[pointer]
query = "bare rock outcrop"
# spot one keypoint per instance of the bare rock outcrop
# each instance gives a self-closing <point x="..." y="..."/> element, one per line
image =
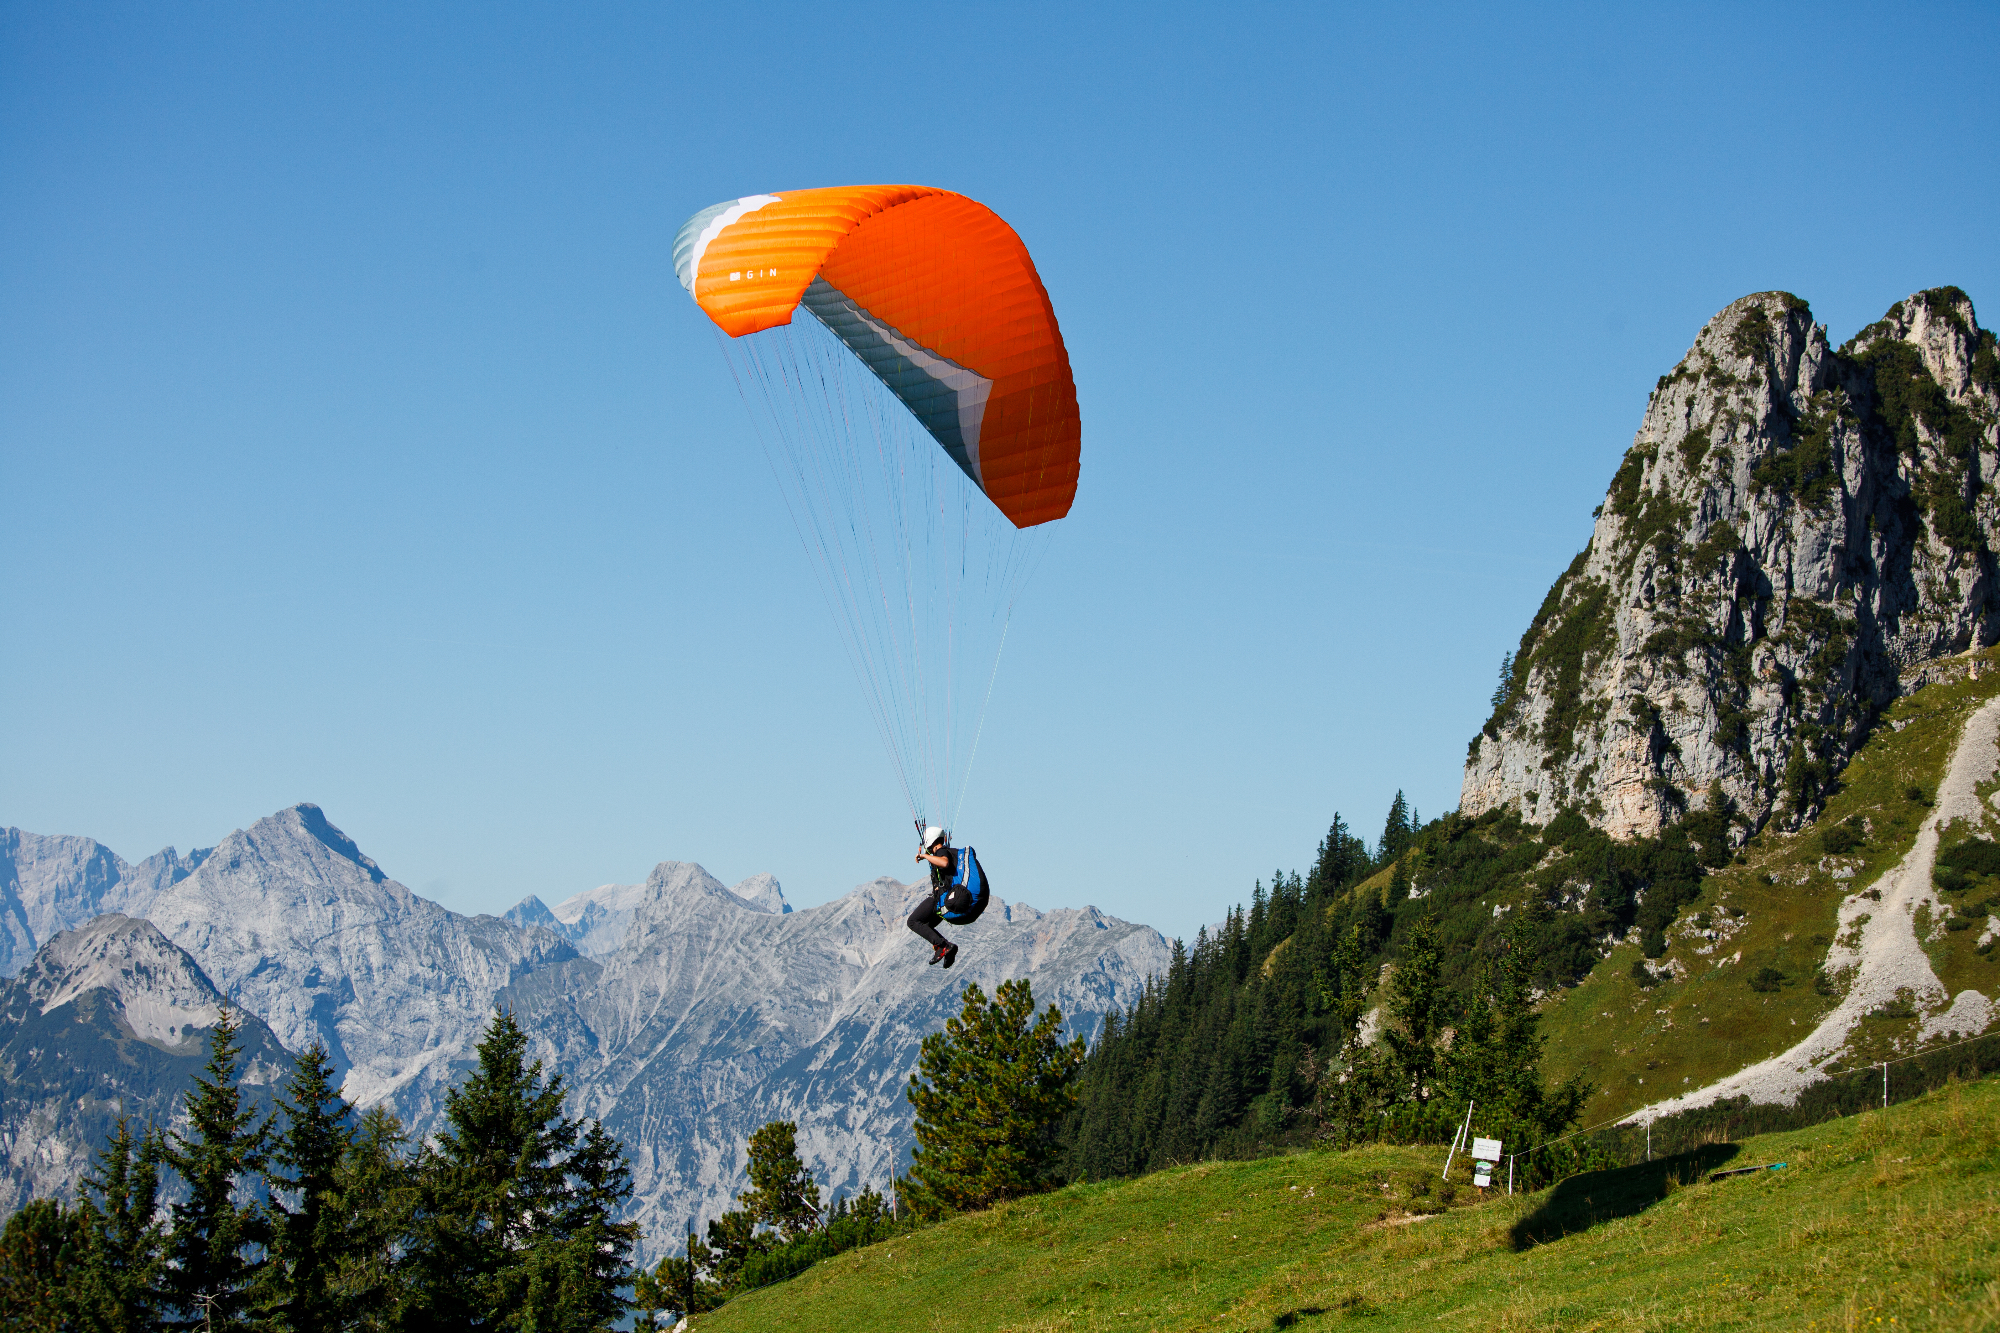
<point x="1794" y="530"/>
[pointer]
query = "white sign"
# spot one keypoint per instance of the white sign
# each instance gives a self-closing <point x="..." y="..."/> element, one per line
<point x="1482" y="1174"/>
<point x="1486" y="1150"/>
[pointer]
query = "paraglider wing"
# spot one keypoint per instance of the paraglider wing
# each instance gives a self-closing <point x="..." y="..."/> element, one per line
<point x="935" y="294"/>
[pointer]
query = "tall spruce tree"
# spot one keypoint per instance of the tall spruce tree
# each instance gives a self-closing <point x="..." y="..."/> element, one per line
<point x="516" y="1226"/>
<point x="989" y="1092"/>
<point x="375" y="1195"/>
<point x="1418" y="1005"/>
<point x="1342" y="859"/>
<point x="1397" y="830"/>
<point x="218" y="1235"/>
<point x="309" y="1234"/>
<point x="1354" y="1084"/>
<point x="123" y="1240"/>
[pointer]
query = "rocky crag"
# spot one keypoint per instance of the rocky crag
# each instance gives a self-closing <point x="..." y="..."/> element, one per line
<point x="1796" y="531"/>
<point x="706" y="1011"/>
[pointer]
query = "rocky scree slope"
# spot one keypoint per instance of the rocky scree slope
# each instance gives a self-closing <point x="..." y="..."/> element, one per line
<point x="107" y="1020"/>
<point x="1794" y="529"/>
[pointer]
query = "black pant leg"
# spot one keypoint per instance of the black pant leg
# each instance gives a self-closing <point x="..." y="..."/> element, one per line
<point x="924" y="921"/>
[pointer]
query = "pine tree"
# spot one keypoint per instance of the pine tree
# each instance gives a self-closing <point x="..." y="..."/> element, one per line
<point x="1417" y="1001"/>
<point x="782" y="1193"/>
<point x="122" y="1239"/>
<point x="375" y="1196"/>
<point x="309" y="1236"/>
<point x="38" y="1263"/>
<point x="733" y="1240"/>
<point x="515" y="1221"/>
<point x="1496" y="1055"/>
<point x="1396" y="831"/>
<point x="215" y="1242"/>
<point x="676" y="1287"/>
<point x="989" y="1093"/>
<point x="1504" y="685"/>
<point x="1342" y="859"/>
<point x="1354" y="1084"/>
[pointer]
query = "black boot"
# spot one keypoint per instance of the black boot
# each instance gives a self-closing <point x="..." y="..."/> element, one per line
<point x="950" y="954"/>
<point x="942" y="953"/>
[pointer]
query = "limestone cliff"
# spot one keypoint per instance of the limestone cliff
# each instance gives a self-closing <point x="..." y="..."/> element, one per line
<point x="1794" y="531"/>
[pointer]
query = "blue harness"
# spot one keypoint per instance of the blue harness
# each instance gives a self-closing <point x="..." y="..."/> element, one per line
<point x="970" y="878"/>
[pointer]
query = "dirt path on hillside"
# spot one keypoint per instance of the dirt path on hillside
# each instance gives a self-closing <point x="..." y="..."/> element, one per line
<point x="1886" y="959"/>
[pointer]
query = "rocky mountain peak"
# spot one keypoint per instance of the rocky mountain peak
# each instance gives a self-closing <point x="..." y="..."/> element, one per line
<point x="1793" y="529"/>
<point x="597" y="921"/>
<point x="161" y="993"/>
<point x="762" y="893"/>
<point x="291" y="920"/>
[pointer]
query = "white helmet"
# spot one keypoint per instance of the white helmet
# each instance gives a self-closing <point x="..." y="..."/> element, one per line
<point x="931" y="835"/>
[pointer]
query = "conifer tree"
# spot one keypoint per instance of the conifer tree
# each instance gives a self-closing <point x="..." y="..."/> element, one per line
<point x="1417" y="1004"/>
<point x="215" y="1242"/>
<point x="782" y="1192"/>
<point x="677" y="1286"/>
<point x="1342" y="859"/>
<point x="1496" y="1055"/>
<point x="1396" y="831"/>
<point x="989" y="1093"/>
<point x="122" y="1239"/>
<point x="374" y="1195"/>
<point x="309" y="1234"/>
<point x="38" y="1262"/>
<point x="1353" y="1086"/>
<point x="733" y="1240"/>
<point x="1504" y="685"/>
<point x="515" y="1227"/>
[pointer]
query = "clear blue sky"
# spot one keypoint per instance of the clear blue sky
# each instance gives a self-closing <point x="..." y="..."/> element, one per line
<point x="358" y="446"/>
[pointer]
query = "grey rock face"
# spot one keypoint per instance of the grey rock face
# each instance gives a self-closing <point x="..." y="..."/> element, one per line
<point x="713" y="1018"/>
<point x="1794" y="529"/>
<point x="762" y="893"/>
<point x="51" y="884"/>
<point x="106" y="1020"/>
<point x="597" y="920"/>
<point x="295" y="924"/>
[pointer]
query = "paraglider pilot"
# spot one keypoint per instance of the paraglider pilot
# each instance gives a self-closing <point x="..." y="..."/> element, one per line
<point x="959" y="892"/>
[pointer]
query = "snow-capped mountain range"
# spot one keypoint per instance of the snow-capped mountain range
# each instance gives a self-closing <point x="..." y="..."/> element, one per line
<point x="682" y="1012"/>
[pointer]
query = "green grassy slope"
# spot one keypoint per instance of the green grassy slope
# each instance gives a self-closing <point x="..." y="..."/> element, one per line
<point x="1776" y="908"/>
<point x="1889" y="1216"/>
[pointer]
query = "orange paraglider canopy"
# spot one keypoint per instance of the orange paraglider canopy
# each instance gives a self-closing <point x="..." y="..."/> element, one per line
<point x="935" y="293"/>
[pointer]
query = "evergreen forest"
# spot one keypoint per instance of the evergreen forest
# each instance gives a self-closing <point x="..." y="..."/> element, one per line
<point x="1260" y="1034"/>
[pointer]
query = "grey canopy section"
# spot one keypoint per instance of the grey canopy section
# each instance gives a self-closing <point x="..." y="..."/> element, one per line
<point x="947" y="398"/>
